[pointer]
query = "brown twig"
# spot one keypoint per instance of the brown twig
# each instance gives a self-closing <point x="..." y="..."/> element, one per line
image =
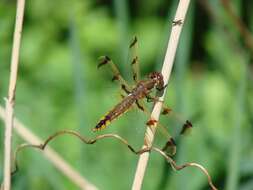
<point x="188" y="164"/>
<point x="123" y="141"/>
<point x="166" y="70"/>
<point x="51" y="155"/>
<point x="245" y="33"/>
<point x="76" y="134"/>
<point x="11" y="94"/>
<point x="231" y="39"/>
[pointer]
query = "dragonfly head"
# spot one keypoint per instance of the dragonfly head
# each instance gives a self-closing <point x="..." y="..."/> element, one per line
<point x="158" y="79"/>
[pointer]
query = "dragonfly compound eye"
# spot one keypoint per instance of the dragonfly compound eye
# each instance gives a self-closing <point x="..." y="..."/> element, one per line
<point x="158" y="77"/>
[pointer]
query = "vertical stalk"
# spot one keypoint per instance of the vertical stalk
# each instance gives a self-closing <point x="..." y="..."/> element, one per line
<point x="166" y="71"/>
<point x="10" y="101"/>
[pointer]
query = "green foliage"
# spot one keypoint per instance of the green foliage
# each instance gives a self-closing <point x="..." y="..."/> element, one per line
<point x="59" y="87"/>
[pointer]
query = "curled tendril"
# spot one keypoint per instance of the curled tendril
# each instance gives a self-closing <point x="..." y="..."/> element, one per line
<point x="122" y="140"/>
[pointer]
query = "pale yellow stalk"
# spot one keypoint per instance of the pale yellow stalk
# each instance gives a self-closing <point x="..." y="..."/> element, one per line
<point x="10" y="101"/>
<point x="166" y="71"/>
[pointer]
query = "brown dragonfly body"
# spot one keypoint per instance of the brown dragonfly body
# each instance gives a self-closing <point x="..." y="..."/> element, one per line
<point x="141" y="90"/>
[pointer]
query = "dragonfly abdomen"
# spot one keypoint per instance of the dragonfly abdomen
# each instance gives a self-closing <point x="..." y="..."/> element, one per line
<point x="117" y="111"/>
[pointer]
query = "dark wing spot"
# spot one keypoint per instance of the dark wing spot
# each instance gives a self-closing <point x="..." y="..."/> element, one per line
<point x="166" y="111"/>
<point x="134" y="61"/>
<point x="133" y="42"/>
<point x="115" y="77"/>
<point x="187" y="125"/>
<point x="171" y="142"/>
<point x="151" y="122"/>
<point x="170" y="147"/>
<point x="104" y="61"/>
<point x="134" y="76"/>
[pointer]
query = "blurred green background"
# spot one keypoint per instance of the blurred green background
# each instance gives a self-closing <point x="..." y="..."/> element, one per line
<point x="59" y="87"/>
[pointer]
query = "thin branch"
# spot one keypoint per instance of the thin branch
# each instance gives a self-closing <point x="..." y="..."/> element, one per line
<point x="11" y="94"/>
<point x="166" y="70"/>
<point x="239" y="24"/>
<point x="123" y="141"/>
<point x="51" y="155"/>
<point x="231" y="39"/>
<point x="80" y="137"/>
<point x="188" y="164"/>
<point x="59" y="163"/>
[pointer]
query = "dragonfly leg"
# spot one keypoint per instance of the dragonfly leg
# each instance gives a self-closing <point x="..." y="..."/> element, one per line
<point x="162" y="89"/>
<point x="186" y="124"/>
<point x="125" y="88"/>
<point x="153" y="99"/>
<point x="140" y="105"/>
<point x="166" y="110"/>
<point x="104" y="60"/>
<point x="134" y="59"/>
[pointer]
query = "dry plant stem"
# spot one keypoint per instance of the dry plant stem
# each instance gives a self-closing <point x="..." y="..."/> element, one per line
<point x="166" y="70"/>
<point x="188" y="164"/>
<point x="245" y="33"/>
<point x="51" y="155"/>
<point x="11" y="94"/>
<point x="232" y="40"/>
<point x="123" y="141"/>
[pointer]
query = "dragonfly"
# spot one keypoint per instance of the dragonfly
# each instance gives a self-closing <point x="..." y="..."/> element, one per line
<point x="135" y="95"/>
